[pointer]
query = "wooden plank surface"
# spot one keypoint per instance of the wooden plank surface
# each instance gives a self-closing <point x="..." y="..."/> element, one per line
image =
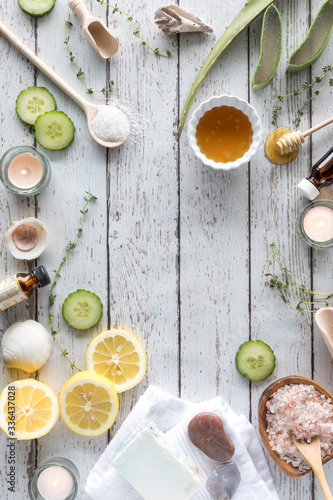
<point x="175" y="250"/>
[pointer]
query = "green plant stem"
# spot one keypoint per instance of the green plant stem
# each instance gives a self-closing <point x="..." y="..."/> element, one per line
<point x="136" y="31"/>
<point x="69" y="247"/>
<point x="80" y="73"/>
<point x="298" y="292"/>
<point x="277" y="108"/>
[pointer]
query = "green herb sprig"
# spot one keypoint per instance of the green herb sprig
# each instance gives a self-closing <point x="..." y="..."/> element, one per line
<point x="80" y="73"/>
<point x="307" y="85"/>
<point x="69" y="247"/>
<point x="136" y="30"/>
<point x="291" y="290"/>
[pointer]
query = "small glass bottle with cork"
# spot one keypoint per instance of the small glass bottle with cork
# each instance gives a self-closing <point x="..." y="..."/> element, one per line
<point x="321" y="175"/>
<point x="21" y="286"/>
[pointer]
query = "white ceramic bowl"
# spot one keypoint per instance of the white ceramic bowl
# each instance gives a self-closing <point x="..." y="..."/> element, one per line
<point x="226" y="100"/>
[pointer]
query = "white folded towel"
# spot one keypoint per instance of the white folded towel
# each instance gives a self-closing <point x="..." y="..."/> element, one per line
<point x="172" y="416"/>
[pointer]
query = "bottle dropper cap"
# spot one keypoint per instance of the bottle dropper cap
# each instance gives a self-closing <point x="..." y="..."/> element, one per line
<point x="42" y="276"/>
<point x="308" y="189"/>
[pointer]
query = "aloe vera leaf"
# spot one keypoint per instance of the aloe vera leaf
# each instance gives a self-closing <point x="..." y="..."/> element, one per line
<point x="251" y="10"/>
<point x="270" y="48"/>
<point x="315" y="40"/>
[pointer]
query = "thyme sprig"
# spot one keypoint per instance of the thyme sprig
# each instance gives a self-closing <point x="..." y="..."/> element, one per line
<point x="290" y="287"/>
<point x="69" y="247"/>
<point x="80" y="72"/>
<point x="136" y="30"/>
<point x="307" y="85"/>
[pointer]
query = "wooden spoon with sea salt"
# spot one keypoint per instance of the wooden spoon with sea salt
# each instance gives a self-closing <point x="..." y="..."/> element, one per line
<point x="101" y="119"/>
<point x="312" y="454"/>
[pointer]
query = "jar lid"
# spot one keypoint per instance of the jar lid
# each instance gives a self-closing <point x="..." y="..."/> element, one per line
<point x="308" y="189"/>
<point x="42" y="275"/>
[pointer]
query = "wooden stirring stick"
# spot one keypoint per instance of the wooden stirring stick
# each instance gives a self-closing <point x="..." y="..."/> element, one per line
<point x="293" y="140"/>
<point x="312" y="454"/>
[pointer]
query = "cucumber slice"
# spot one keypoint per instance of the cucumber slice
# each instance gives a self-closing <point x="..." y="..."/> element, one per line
<point x="82" y="309"/>
<point x="36" y="8"/>
<point x="33" y="102"/>
<point x="255" y="360"/>
<point x="54" y="130"/>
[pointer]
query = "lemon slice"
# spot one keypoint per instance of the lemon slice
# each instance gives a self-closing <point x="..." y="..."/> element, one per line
<point x="28" y="409"/>
<point x="88" y="404"/>
<point x="119" y="356"/>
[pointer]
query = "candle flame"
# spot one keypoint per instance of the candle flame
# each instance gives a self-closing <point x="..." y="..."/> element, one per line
<point x="55" y="481"/>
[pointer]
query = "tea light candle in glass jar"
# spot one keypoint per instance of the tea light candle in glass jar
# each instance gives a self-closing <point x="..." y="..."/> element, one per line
<point x="55" y="479"/>
<point x="24" y="170"/>
<point x="315" y="224"/>
<point x="55" y="483"/>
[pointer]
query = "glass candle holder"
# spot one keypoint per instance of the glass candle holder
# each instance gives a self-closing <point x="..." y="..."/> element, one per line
<point x="24" y="170"/>
<point x="55" y="479"/>
<point x="315" y="224"/>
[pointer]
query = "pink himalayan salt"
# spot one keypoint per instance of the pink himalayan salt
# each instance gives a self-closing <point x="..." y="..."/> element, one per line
<point x="299" y="411"/>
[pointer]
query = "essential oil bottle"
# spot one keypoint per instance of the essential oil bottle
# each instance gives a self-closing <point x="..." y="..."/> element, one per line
<point x="20" y="286"/>
<point x="320" y="175"/>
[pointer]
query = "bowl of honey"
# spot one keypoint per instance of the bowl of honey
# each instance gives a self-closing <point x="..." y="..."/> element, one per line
<point x="225" y="132"/>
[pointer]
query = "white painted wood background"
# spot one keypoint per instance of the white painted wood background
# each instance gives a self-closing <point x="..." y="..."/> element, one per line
<point x="176" y="251"/>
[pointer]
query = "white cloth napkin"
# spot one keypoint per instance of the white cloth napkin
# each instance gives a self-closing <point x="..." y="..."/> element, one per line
<point x="172" y="416"/>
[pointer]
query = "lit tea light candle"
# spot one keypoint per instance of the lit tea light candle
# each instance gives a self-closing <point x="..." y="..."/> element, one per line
<point x="55" y="479"/>
<point x="25" y="171"/>
<point x="55" y="483"/>
<point x="318" y="224"/>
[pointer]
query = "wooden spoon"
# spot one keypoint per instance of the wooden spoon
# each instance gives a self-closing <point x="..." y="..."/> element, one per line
<point x="262" y="411"/>
<point x="97" y="33"/>
<point x="89" y="109"/>
<point x="312" y="454"/>
<point x="324" y="320"/>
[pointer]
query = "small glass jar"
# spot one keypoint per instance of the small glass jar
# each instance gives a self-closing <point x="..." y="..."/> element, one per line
<point x="55" y="479"/>
<point x="24" y="170"/>
<point x="315" y="224"/>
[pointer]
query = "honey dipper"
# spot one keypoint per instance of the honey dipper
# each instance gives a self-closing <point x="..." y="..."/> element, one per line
<point x="293" y="140"/>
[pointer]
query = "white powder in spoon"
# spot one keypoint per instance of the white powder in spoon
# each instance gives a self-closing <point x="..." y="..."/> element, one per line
<point x="111" y="124"/>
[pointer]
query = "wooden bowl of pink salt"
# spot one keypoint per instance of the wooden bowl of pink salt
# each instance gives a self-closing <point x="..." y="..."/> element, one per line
<point x="295" y="407"/>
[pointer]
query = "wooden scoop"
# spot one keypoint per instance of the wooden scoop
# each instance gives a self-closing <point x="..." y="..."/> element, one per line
<point x="89" y="109"/>
<point x="97" y="33"/>
<point x="324" y="320"/>
<point x="312" y="454"/>
<point x="293" y="140"/>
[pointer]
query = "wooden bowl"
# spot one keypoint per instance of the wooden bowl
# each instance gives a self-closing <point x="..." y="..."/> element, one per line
<point x="262" y="410"/>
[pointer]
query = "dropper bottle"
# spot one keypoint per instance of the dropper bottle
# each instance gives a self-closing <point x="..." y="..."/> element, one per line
<point x="320" y="175"/>
<point x="20" y="286"/>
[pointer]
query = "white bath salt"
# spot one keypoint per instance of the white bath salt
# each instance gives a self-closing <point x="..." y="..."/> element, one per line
<point x="111" y="124"/>
<point x="299" y="411"/>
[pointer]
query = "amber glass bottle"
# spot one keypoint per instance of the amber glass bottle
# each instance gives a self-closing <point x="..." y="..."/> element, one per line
<point x="20" y="286"/>
<point x="320" y="175"/>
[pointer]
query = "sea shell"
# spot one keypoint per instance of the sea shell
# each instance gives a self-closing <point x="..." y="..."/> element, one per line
<point x="26" y="239"/>
<point x="172" y="19"/>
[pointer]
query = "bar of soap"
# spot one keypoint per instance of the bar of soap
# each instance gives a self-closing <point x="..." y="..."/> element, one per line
<point x="156" y="469"/>
<point x="206" y="432"/>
